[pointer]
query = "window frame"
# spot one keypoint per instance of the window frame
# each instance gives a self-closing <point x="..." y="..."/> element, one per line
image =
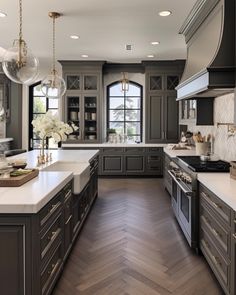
<point x="31" y="115"/>
<point x="124" y="96"/>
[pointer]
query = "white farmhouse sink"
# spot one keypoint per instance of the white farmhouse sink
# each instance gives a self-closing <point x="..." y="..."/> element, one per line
<point x="81" y="173"/>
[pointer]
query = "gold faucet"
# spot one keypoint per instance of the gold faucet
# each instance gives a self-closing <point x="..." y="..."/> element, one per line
<point x="41" y="158"/>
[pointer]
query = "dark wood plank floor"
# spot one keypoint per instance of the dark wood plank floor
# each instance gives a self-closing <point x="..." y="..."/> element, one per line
<point x="132" y="245"/>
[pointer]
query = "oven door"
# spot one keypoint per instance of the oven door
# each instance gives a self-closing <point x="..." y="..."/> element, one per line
<point x="184" y="209"/>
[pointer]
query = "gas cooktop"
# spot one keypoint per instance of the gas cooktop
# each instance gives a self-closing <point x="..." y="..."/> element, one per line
<point x="195" y="164"/>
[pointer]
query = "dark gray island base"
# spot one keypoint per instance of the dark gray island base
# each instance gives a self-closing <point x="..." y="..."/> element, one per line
<point x="34" y="246"/>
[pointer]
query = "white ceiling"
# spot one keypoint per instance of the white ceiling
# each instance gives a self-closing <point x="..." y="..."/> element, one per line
<point x="104" y="27"/>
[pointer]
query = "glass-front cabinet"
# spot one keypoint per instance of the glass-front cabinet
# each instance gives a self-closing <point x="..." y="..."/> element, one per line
<point x="81" y="106"/>
<point x="187" y="110"/>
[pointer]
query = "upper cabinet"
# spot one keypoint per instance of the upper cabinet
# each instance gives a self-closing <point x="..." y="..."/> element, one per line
<point x="161" y="105"/>
<point x="83" y="99"/>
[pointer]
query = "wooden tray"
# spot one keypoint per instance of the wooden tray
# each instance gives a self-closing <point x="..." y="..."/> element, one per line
<point x="18" y="180"/>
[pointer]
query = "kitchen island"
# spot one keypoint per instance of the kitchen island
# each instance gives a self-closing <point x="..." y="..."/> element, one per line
<point x="40" y="221"/>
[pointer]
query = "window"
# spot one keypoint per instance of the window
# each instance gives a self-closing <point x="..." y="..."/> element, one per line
<point x="39" y="105"/>
<point x="124" y="110"/>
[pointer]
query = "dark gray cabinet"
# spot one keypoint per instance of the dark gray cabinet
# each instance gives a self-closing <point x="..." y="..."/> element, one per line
<point x="37" y="245"/>
<point x="161" y="105"/>
<point x="83" y="99"/>
<point x="139" y="161"/>
<point x="215" y="237"/>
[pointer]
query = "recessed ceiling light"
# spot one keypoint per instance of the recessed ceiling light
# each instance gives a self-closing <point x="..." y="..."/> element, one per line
<point x="84" y="55"/>
<point x="3" y="14"/>
<point x="165" y="13"/>
<point x="150" y="55"/>
<point x="74" y="37"/>
<point x="155" y="42"/>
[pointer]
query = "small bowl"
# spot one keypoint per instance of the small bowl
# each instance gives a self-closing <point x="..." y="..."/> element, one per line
<point x="204" y="158"/>
<point x="19" y="166"/>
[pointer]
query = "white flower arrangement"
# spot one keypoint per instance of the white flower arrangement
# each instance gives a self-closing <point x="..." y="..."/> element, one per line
<point x="50" y="125"/>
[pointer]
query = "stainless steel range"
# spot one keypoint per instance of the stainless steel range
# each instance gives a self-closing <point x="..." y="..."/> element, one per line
<point x="184" y="195"/>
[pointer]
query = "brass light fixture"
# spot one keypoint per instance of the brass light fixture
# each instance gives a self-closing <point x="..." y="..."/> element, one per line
<point x="124" y="82"/>
<point x="18" y="63"/>
<point x="53" y="86"/>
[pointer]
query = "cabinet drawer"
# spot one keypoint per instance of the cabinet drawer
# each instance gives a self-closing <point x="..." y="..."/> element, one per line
<point x="216" y="231"/>
<point x="50" y="209"/>
<point x="48" y="239"/>
<point x="112" y="150"/>
<point x="157" y="150"/>
<point x="51" y="271"/>
<point x="217" y="206"/>
<point x="67" y="208"/>
<point x="67" y="189"/>
<point x="219" y="265"/>
<point x="134" y="150"/>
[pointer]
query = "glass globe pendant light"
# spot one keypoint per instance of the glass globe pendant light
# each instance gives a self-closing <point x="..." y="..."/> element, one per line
<point x="18" y="63"/>
<point x="124" y="83"/>
<point x="53" y="86"/>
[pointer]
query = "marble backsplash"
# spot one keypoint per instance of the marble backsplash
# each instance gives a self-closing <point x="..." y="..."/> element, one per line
<point x="223" y="144"/>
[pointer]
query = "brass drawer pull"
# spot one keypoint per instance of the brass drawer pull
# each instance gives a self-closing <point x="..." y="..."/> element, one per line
<point x="234" y="220"/>
<point x="218" y="206"/>
<point x="53" y="268"/>
<point x="53" y="207"/>
<point x="68" y="194"/>
<point x="52" y="235"/>
<point x="234" y="235"/>
<point x="216" y="260"/>
<point x="216" y="233"/>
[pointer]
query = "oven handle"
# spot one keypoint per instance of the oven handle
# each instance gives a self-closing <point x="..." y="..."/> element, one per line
<point x="188" y="193"/>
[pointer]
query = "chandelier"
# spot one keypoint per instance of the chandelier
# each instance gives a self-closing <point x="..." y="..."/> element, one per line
<point x="53" y="86"/>
<point x="18" y="63"/>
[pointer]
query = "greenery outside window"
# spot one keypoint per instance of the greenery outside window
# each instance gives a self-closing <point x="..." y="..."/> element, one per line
<point x="124" y="110"/>
<point x="38" y="106"/>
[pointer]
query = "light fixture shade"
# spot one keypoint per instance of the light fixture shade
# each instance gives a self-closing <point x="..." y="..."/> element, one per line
<point x="124" y="83"/>
<point x="53" y="86"/>
<point x="19" y="64"/>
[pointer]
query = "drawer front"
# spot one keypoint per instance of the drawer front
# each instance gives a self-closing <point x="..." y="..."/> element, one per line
<point x="220" y="236"/>
<point x="217" y="206"/>
<point x="219" y="265"/>
<point x="112" y="150"/>
<point x="67" y="208"/>
<point x="48" y="239"/>
<point x="134" y="150"/>
<point x="50" y="210"/>
<point x="51" y="271"/>
<point x="67" y="189"/>
<point x="154" y="150"/>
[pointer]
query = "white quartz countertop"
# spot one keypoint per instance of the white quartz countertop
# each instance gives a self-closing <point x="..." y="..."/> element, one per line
<point x="76" y="156"/>
<point x="221" y="185"/>
<point x="175" y="153"/>
<point x="2" y="140"/>
<point x="94" y="145"/>
<point x="33" y="195"/>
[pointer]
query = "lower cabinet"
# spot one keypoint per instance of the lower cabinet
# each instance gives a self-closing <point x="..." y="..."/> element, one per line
<point x="137" y="161"/>
<point x="167" y="177"/>
<point x="34" y="247"/>
<point x="217" y="241"/>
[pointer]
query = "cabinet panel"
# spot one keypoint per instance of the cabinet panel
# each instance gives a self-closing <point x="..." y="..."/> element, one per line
<point x="155" y="82"/>
<point x="134" y="164"/>
<point x="12" y="264"/>
<point x="73" y="82"/>
<point x="171" y="130"/>
<point x="155" y="123"/>
<point x="112" y="164"/>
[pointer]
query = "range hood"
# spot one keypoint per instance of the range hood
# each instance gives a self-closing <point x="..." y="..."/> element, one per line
<point x="209" y="32"/>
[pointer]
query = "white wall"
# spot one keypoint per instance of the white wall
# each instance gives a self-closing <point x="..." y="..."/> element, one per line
<point x="224" y="145"/>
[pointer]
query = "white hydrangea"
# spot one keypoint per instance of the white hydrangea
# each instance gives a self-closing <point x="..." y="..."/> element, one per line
<point x="51" y="125"/>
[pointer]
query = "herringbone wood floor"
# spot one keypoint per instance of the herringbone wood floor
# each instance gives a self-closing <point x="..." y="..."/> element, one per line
<point x="132" y="245"/>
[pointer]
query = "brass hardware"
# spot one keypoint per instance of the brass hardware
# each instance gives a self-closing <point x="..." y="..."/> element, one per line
<point x="216" y="233"/>
<point x="52" y="235"/>
<point x="54" y="14"/>
<point x="234" y="220"/>
<point x="234" y="235"/>
<point x="216" y="260"/>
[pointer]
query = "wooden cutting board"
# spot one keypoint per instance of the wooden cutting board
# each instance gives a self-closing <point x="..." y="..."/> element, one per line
<point x="18" y="180"/>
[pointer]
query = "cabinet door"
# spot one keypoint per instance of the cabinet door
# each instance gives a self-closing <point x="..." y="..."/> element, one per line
<point x="73" y="114"/>
<point x="90" y="118"/>
<point x="112" y="165"/>
<point x="12" y="255"/>
<point x="90" y="82"/>
<point x="171" y="118"/>
<point x="155" y="117"/>
<point x="73" y="82"/>
<point x="134" y="164"/>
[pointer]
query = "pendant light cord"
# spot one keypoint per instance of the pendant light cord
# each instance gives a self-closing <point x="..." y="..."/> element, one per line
<point x="20" y="16"/>
<point x="53" y="46"/>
